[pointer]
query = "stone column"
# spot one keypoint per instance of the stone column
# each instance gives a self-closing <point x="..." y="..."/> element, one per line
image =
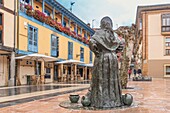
<point x="43" y="71"/>
<point x="85" y="73"/>
<point x="75" y="71"/>
<point x="72" y="75"/>
<point x="61" y="72"/>
<point x="12" y="70"/>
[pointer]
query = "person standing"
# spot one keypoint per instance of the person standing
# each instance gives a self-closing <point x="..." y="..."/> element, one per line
<point x="134" y="72"/>
<point x="129" y="72"/>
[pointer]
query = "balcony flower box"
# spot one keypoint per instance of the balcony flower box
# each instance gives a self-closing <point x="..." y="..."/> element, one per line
<point x="48" y="20"/>
<point x="83" y="39"/>
<point x="87" y="42"/>
<point x="28" y="7"/>
<point x="52" y="23"/>
<point x="29" y="11"/>
<point x="59" y="27"/>
<point x="37" y="14"/>
<point x="66" y="30"/>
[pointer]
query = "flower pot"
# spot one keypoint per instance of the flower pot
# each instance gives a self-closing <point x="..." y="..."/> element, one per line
<point x="85" y="101"/>
<point x="74" y="98"/>
<point x="127" y="99"/>
<point x="29" y="13"/>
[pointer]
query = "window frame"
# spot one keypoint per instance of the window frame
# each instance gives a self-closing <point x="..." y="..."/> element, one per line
<point x="70" y="51"/>
<point x="33" y="39"/>
<point x="57" y="46"/>
<point x="165" y="16"/>
<point x="166" y="48"/>
<point x="82" y="54"/>
<point x="91" y="57"/>
<point x="165" y="65"/>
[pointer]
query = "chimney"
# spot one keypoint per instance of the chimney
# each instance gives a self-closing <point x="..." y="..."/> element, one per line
<point x="88" y="24"/>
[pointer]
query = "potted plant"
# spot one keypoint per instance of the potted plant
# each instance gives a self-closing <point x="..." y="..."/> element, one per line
<point x="37" y="14"/>
<point x="66" y="30"/>
<point x="29" y="11"/>
<point x="48" y="20"/>
<point x="52" y="23"/>
<point x="59" y="27"/>
<point x="83" y="39"/>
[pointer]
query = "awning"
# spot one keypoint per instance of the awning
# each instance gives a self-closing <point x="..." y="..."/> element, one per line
<point x="71" y="61"/>
<point x="39" y="57"/>
<point x="86" y="65"/>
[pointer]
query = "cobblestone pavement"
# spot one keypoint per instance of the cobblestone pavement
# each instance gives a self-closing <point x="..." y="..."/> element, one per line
<point x="150" y="97"/>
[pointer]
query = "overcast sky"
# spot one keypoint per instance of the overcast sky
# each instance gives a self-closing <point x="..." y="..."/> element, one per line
<point x="122" y="12"/>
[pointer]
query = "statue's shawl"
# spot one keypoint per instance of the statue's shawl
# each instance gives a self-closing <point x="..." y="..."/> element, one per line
<point x="108" y="41"/>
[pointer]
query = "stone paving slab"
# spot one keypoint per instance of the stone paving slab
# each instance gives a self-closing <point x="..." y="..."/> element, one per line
<point x="152" y="97"/>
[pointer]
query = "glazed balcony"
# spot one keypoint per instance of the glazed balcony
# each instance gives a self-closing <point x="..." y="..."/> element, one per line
<point x="39" y="17"/>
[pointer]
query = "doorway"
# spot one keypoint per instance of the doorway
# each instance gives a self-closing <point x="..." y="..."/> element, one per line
<point x="88" y="74"/>
<point x="56" y="72"/>
<point x="39" y="68"/>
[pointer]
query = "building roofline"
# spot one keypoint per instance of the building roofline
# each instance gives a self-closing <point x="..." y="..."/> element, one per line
<point x="66" y="12"/>
<point x="151" y="8"/>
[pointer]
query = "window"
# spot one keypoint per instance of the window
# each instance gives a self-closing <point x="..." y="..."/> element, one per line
<point x="32" y="38"/>
<point x="166" y="23"/>
<point x="47" y="12"/>
<point x="167" y="51"/>
<point x="167" y="46"/>
<point x="54" y="46"/>
<point x="25" y="1"/>
<point x="48" y="73"/>
<point x="75" y="30"/>
<point x="167" y="42"/>
<point x="70" y="50"/>
<point x="1" y="28"/>
<point x="64" y="23"/>
<point x="167" y="70"/>
<point x="85" y="35"/>
<point x="81" y="54"/>
<point x="91" y="56"/>
<point x="140" y="24"/>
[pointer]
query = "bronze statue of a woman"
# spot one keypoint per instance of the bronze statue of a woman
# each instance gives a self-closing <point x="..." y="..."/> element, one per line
<point x="105" y="89"/>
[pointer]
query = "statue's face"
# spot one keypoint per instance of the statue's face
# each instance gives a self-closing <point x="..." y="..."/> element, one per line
<point x="106" y="22"/>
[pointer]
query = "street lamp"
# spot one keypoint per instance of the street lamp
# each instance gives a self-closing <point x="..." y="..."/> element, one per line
<point x="92" y="23"/>
<point x="72" y="3"/>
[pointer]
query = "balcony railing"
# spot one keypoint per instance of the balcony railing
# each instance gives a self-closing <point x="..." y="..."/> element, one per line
<point x="49" y="21"/>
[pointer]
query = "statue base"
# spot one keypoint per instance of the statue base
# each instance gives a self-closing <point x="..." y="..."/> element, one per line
<point x="78" y="106"/>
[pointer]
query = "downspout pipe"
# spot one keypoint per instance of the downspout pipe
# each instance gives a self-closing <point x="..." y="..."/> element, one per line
<point x="14" y="49"/>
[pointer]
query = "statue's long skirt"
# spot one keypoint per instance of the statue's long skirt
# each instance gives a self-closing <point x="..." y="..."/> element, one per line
<point x="105" y="87"/>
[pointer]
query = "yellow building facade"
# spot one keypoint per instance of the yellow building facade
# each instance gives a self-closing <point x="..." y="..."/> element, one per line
<point x="46" y="27"/>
